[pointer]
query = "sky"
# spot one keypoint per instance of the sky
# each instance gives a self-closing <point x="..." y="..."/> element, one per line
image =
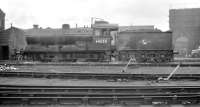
<point x="54" y="13"/>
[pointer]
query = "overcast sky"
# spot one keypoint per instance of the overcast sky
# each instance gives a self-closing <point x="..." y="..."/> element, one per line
<point x="53" y="13"/>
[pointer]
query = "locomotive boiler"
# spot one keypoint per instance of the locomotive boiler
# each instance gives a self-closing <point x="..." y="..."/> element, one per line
<point x="78" y="45"/>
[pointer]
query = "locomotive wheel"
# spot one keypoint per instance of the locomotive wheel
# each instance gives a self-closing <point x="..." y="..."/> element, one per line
<point x="158" y="60"/>
<point x="140" y="58"/>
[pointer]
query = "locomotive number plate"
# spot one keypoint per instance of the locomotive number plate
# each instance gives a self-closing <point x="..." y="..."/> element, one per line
<point x="101" y="40"/>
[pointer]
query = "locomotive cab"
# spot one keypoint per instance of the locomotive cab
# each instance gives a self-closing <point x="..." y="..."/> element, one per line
<point x="104" y="37"/>
<point x="103" y="28"/>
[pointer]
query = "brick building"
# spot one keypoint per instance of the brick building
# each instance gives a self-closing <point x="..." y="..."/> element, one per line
<point x="2" y="20"/>
<point x="185" y="25"/>
<point x="12" y="41"/>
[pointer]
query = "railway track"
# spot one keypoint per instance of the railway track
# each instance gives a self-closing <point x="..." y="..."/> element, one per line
<point x="98" y="95"/>
<point x="100" y="76"/>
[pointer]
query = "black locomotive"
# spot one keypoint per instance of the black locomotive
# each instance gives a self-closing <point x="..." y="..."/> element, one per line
<point x="102" y="43"/>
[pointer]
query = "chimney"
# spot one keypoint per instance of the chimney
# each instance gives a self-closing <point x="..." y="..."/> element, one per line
<point x="35" y="26"/>
<point x="65" y="26"/>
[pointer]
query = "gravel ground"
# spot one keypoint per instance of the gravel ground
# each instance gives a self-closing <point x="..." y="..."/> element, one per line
<point x="107" y="69"/>
<point x="74" y="82"/>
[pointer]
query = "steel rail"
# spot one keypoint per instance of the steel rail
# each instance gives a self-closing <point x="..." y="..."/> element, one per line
<point x="87" y="100"/>
<point x="97" y="95"/>
<point x="101" y="76"/>
<point x="2" y="86"/>
<point x="19" y="94"/>
<point x="100" y="89"/>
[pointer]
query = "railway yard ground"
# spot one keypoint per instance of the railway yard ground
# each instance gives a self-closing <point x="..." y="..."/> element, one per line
<point x="132" y="69"/>
<point x="84" y="84"/>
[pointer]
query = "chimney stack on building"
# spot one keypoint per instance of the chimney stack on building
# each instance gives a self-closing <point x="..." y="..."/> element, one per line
<point x="2" y="20"/>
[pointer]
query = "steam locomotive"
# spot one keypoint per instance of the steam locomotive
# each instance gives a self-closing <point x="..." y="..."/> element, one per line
<point x="103" y="43"/>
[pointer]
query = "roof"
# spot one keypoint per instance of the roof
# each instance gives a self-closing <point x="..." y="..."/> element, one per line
<point x="15" y="35"/>
<point x="186" y="9"/>
<point x="145" y="32"/>
<point x="1" y="12"/>
<point x="140" y="28"/>
<point x="109" y="26"/>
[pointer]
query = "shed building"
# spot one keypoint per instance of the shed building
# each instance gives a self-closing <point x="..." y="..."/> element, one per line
<point x="12" y="41"/>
